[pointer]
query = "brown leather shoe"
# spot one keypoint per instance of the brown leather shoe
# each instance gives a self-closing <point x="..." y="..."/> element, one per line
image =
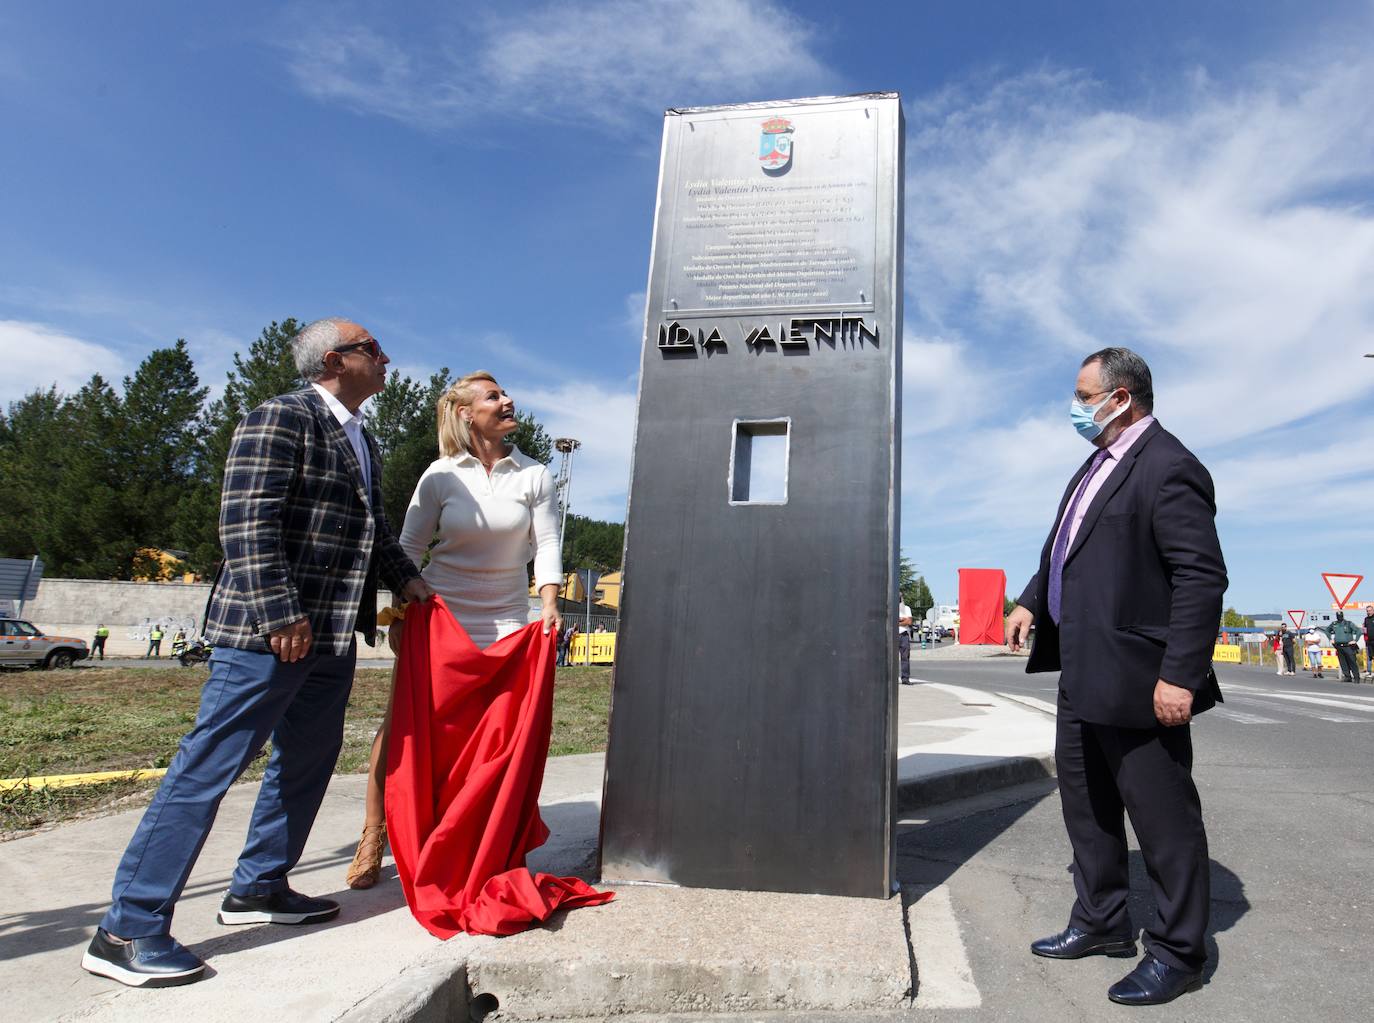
<point x="367" y="861"/>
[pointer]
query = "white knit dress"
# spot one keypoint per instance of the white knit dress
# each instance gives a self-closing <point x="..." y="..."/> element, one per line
<point x="485" y="530"/>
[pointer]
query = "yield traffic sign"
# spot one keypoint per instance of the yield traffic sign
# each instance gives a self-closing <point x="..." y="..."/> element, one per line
<point x="1297" y="618"/>
<point x="1341" y="585"/>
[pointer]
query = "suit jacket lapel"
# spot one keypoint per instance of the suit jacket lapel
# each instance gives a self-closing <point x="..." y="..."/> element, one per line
<point x="1111" y="486"/>
<point x="1063" y="505"/>
<point x="334" y="430"/>
<point x="374" y="457"/>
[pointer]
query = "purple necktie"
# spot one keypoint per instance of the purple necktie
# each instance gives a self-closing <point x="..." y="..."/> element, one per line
<point x="1061" y="542"/>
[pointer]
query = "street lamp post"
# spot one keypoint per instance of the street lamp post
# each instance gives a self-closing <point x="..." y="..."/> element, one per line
<point x="565" y="446"/>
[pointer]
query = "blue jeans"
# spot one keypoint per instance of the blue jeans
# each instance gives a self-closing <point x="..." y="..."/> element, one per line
<point x="249" y="698"/>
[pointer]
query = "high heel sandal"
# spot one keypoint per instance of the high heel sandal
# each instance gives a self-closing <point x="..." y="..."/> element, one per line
<point x="367" y="861"/>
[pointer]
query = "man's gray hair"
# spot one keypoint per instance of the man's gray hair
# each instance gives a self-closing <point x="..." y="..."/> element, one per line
<point x="1121" y="367"/>
<point x="308" y="348"/>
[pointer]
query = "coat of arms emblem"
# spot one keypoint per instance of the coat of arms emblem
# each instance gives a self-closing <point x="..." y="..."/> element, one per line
<point x="775" y="146"/>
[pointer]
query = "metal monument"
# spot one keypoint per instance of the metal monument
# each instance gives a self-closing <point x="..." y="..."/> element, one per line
<point x="753" y="725"/>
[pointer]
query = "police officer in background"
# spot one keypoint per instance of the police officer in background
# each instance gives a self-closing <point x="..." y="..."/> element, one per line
<point x="101" y="634"/>
<point x="1369" y="640"/>
<point x="1343" y="636"/>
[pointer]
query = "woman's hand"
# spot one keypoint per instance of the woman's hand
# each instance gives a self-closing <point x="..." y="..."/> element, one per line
<point x="548" y="593"/>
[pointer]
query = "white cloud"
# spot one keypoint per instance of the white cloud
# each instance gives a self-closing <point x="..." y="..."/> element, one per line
<point x="602" y="417"/>
<point x="1229" y="238"/>
<point x="634" y="317"/>
<point x="37" y="356"/>
<point x="605" y="62"/>
<point x="942" y="386"/>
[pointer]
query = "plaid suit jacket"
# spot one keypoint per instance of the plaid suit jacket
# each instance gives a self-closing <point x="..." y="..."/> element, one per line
<point x="301" y="538"/>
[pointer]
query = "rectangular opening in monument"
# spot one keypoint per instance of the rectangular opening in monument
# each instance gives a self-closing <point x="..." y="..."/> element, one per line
<point x="758" y="462"/>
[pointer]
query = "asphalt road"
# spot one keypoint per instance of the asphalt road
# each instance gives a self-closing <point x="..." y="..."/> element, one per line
<point x="1284" y="772"/>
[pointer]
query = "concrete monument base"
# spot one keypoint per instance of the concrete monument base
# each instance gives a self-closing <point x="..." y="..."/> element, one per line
<point x="671" y="950"/>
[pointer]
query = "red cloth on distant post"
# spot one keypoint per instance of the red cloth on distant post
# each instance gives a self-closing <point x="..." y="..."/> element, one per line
<point x="469" y="738"/>
<point x="982" y="597"/>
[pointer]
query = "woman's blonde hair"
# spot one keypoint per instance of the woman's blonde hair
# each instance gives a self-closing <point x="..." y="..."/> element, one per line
<point x="455" y="436"/>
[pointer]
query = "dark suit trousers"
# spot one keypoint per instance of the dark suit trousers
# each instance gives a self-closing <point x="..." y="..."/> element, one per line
<point x="1106" y="772"/>
<point x="1347" y="655"/>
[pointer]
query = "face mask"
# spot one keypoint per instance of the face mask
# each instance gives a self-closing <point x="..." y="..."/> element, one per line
<point x="1081" y="415"/>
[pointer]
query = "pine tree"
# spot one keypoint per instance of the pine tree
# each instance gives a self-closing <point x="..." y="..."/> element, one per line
<point x="157" y="441"/>
<point x="87" y="529"/>
<point x="401" y="420"/>
<point x="532" y="439"/>
<point x="591" y="543"/>
<point x="914" y="592"/>
<point x="31" y="462"/>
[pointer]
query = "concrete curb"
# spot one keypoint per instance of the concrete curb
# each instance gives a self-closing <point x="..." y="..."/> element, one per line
<point x="971" y="780"/>
<point x="435" y="991"/>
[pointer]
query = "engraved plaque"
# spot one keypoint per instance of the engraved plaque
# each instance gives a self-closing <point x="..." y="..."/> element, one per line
<point x="750" y="237"/>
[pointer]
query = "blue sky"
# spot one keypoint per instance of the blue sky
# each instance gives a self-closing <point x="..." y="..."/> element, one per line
<point x="475" y="183"/>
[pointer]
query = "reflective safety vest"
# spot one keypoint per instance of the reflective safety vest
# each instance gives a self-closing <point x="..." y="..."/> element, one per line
<point x="156" y="634"/>
<point x="102" y="633"/>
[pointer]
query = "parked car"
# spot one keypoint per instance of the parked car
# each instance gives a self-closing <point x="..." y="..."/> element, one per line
<point x="23" y="645"/>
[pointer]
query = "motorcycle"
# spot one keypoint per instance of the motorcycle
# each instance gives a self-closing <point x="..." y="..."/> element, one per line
<point x="197" y="653"/>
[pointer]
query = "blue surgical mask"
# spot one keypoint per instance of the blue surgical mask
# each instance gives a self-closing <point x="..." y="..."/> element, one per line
<point x="1082" y="416"/>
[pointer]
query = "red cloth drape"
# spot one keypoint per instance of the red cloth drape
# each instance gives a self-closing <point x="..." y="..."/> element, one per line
<point x="469" y="738"/>
<point x="982" y="595"/>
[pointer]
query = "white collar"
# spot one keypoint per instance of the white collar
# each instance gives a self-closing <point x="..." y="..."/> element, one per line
<point x="468" y="458"/>
<point x="340" y="411"/>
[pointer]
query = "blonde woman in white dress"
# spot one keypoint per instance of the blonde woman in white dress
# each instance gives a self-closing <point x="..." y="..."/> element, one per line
<point x="489" y="509"/>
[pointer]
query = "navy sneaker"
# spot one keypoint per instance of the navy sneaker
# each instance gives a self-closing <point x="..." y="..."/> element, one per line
<point x="159" y="961"/>
<point x="283" y="907"/>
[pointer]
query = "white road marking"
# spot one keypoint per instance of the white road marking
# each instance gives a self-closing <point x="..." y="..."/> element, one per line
<point x="1322" y="701"/>
<point x="1241" y="717"/>
<point x="943" y="976"/>
<point x="1302" y="712"/>
<point x="1338" y="696"/>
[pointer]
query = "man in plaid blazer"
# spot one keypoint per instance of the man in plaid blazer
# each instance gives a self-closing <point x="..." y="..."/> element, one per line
<point x="305" y="539"/>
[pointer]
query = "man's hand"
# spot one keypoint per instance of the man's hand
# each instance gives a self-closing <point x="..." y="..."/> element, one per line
<point x="416" y="590"/>
<point x="1018" y="627"/>
<point x="291" y="642"/>
<point x="1173" y="704"/>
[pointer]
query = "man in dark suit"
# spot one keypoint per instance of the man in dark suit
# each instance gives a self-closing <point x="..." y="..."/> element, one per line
<point x="1125" y="606"/>
<point x="305" y="539"/>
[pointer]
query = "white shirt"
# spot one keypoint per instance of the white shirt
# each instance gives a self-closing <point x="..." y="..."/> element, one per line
<point x="352" y="423"/>
<point x="485" y="523"/>
<point x="903" y="612"/>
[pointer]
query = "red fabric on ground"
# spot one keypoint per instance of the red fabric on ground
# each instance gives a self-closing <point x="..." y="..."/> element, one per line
<point x="469" y="738"/>
<point x="982" y="596"/>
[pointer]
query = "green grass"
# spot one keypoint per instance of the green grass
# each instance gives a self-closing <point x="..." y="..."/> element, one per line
<point x="88" y="719"/>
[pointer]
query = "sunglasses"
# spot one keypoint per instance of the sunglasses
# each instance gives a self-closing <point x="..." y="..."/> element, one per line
<point x="370" y="346"/>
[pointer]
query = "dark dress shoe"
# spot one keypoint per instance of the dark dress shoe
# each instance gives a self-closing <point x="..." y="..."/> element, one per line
<point x="1071" y="943"/>
<point x="1153" y="983"/>
<point x="159" y="961"/>
<point x="283" y="907"/>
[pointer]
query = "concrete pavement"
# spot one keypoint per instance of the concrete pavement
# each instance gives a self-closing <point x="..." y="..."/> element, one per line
<point x="653" y="950"/>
